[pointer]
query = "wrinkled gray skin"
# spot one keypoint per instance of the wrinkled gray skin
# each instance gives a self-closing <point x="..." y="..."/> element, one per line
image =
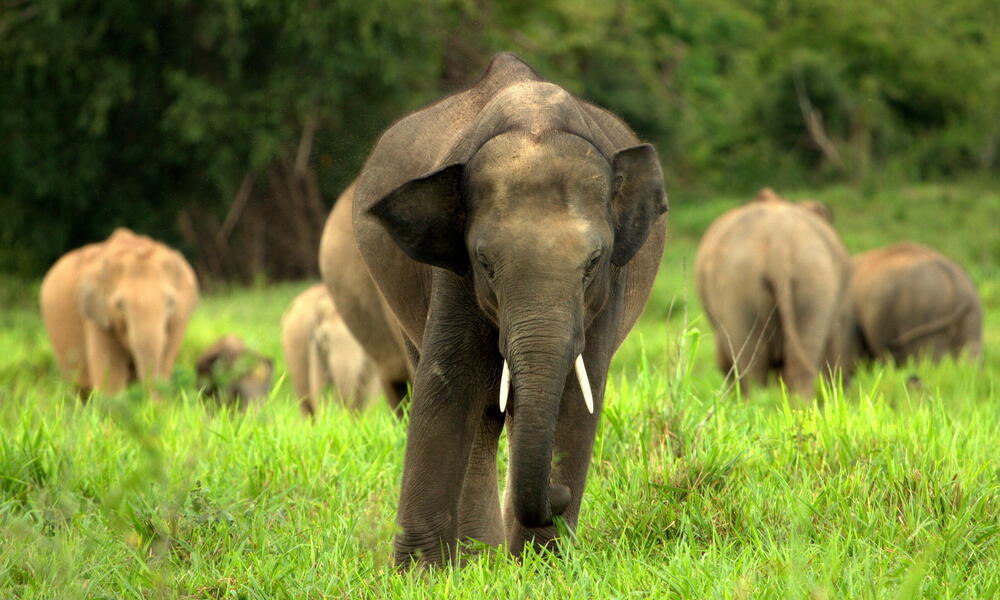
<point x="358" y="301"/>
<point x="908" y="300"/>
<point x="772" y="277"/>
<point x="514" y="221"/>
<point x="231" y="373"/>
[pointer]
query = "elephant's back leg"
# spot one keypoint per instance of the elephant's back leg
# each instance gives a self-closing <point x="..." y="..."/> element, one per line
<point x="969" y="339"/>
<point x="815" y="309"/>
<point x="746" y="327"/>
<point x="63" y="322"/>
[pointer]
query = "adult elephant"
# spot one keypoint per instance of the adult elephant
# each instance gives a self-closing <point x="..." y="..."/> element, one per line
<point x="514" y="231"/>
<point x="772" y="277"/>
<point x="908" y="300"/>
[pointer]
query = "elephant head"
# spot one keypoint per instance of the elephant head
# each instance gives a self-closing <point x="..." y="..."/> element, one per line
<point x="142" y="297"/>
<point x="540" y="226"/>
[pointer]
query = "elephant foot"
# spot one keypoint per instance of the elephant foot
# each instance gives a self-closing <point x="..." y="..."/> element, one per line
<point x="427" y="545"/>
<point x="431" y="552"/>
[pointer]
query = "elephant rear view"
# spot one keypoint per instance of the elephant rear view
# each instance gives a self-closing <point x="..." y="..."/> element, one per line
<point x="772" y="277"/>
<point x="116" y="311"/>
<point x="908" y="299"/>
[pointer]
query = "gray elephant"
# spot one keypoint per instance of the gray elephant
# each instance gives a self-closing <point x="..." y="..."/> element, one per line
<point x="907" y="300"/>
<point x="231" y="373"/>
<point x="772" y="277"/>
<point x="359" y="304"/>
<point x="514" y="232"/>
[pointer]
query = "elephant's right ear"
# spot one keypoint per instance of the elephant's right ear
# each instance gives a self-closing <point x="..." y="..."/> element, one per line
<point x="426" y="219"/>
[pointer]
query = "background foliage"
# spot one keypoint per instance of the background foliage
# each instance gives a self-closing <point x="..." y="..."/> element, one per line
<point x="228" y="127"/>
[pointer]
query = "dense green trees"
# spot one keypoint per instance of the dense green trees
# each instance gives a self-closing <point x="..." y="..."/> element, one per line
<point x="228" y="126"/>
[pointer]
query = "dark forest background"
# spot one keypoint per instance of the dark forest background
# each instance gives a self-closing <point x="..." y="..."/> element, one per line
<point x="228" y="127"/>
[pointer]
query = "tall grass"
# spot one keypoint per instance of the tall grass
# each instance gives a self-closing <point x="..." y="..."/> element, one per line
<point x="878" y="490"/>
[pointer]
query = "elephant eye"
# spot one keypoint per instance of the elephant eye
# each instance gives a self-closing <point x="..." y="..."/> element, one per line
<point x="595" y="258"/>
<point x="484" y="263"/>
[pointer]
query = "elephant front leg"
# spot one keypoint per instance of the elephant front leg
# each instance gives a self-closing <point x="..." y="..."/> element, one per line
<point x="449" y="396"/>
<point x="480" y="521"/>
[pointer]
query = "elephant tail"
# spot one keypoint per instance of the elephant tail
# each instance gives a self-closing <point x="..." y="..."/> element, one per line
<point x="935" y="325"/>
<point x="785" y="299"/>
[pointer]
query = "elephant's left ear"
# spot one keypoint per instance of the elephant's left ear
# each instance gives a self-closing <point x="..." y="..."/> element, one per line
<point x="639" y="199"/>
<point x="426" y="219"/>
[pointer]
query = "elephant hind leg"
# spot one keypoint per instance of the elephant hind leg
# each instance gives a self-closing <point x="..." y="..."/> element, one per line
<point x="801" y="363"/>
<point x="743" y="349"/>
<point x="395" y="390"/>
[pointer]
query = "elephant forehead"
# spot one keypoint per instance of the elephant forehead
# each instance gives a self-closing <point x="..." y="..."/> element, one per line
<point x="544" y="233"/>
<point x="518" y="168"/>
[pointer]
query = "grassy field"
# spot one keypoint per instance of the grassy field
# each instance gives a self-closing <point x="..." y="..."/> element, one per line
<point x="883" y="491"/>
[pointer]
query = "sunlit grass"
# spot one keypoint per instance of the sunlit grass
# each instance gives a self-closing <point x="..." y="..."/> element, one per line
<point x="879" y="490"/>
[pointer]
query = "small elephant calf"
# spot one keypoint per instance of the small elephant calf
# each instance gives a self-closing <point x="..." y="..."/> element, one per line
<point x="320" y="352"/>
<point x="234" y="374"/>
<point x="907" y="300"/>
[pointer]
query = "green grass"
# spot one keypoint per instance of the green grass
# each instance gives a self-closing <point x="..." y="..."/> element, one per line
<point x="883" y="491"/>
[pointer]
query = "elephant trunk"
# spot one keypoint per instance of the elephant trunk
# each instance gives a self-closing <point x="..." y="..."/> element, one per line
<point x="147" y="339"/>
<point x="540" y="344"/>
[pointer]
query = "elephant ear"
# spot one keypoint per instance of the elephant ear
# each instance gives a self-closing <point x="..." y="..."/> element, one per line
<point x="92" y="300"/>
<point x="426" y="219"/>
<point x="639" y="199"/>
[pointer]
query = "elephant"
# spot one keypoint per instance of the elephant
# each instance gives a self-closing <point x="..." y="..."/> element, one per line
<point x="320" y="352"/>
<point x="116" y="311"/>
<point x="772" y="277"/>
<point x="908" y="300"/>
<point x="231" y="373"/>
<point x="364" y="312"/>
<point x="514" y="231"/>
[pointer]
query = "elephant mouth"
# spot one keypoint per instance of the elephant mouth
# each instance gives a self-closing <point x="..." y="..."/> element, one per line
<point x="581" y="378"/>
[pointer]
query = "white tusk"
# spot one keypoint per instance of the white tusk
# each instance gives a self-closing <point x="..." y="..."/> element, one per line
<point x="504" y="386"/>
<point x="581" y="376"/>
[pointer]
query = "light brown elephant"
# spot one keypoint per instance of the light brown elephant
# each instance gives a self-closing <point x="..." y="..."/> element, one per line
<point x="772" y="277"/>
<point x="320" y="352"/>
<point x="907" y="300"/>
<point x="359" y="302"/>
<point x="116" y="310"/>
<point x="232" y="373"/>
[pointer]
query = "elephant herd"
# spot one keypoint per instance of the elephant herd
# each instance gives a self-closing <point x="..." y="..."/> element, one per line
<point x="783" y="296"/>
<point x="493" y="252"/>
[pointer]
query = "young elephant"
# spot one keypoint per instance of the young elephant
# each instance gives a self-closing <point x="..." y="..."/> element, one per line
<point x="514" y="232"/>
<point x="321" y="352"/>
<point x="116" y="310"/>
<point x="772" y="277"/>
<point x="232" y="373"/>
<point x="907" y="300"/>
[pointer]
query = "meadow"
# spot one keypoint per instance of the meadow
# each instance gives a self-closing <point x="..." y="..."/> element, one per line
<point x="878" y="490"/>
